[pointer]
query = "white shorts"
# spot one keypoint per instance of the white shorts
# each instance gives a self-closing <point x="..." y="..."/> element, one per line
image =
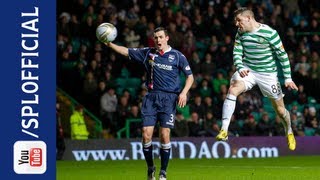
<point x="268" y="83"/>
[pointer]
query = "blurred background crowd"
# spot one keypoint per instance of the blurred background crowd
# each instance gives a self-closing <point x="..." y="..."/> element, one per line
<point x="110" y="87"/>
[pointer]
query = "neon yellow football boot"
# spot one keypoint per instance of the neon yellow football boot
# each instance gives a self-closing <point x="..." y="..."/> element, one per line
<point x="222" y="136"/>
<point x="291" y="142"/>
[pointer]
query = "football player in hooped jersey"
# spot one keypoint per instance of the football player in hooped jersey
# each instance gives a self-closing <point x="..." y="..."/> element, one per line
<point x="163" y="65"/>
<point x="256" y="49"/>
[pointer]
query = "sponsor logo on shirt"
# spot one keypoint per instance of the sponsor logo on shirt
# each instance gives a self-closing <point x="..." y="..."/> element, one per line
<point x="164" y="66"/>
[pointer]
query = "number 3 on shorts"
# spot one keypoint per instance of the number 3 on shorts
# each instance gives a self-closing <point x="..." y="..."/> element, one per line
<point x="171" y="118"/>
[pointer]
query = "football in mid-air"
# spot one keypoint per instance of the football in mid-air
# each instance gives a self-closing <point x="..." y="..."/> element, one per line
<point x="106" y="32"/>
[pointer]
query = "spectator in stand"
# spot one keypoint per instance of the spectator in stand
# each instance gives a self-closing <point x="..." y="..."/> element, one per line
<point x="189" y="44"/>
<point x="141" y="29"/>
<point x="195" y="64"/>
<point x="290" y="42"/>
<point x="315" y="42"/>
<point x="95" y="68"/>
<point x="196" y="128"/>
<point x="209" y="105"/>
<point x="108" y="106"/>
<point x="90" y="86"/>
<point x="264" y="127"/>
<point x="205" y="89"/>
<point x="132" y="39"/>
<point x="277" y="127"/>
<point x="250" y="126"/>
<point x="211" y="125"/>
<point x="297" y="124"/>
<point x="311" y="117"/>
<point x="123" y="110"/>
<point x="234" y="127"/>
<point x="314" y="77"/>
<point x="135" y="127"/>
<point x="176" y="37"/>
<point x="78" y="125"/>
<point x="198" y="106"/>
<point x="207" y="66"/>
<point x="213" y="47"/>
<point x="181" y="128"/>
<point x="301" y="95"/>
<point x="60" y="143"/>
<point x="219" y="80"/>
<point x="242" y="110"/>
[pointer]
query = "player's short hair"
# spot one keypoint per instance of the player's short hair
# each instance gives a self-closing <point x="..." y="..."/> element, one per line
<point x="243" y="10"/>
<point x="161" y="29"/>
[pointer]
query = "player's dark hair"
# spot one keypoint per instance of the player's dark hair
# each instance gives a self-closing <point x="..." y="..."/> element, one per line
<point x="161" y="29"/>
<point x="242" y="10"/>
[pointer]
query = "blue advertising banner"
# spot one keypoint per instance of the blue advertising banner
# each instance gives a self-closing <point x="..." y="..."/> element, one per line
<point x="28" y="90"/>
<point x="192" y="148"/>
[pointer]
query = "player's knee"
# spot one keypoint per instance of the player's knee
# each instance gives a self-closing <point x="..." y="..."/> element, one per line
<point x="165" y="136"/>
<point x="146" y="138"/>
<point x="233" y="91"/>
<point x="146" y="135"/>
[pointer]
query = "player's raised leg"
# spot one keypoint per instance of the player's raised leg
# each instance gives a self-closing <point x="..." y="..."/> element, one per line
<point x="284" y="114"/>
<point x="228" y="108"/>
<point x="227" y="111"/>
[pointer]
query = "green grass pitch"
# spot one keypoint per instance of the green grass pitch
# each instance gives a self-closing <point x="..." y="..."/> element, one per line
<point x="282" y="168"/>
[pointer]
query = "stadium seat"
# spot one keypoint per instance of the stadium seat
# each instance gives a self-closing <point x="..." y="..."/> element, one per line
<point x="256" y="115"/>
<point x="309" y="131"/>
<point x="125" y="73"/>
<point x="133" y="83"/>
<point x="121" y="82"/>
<point x="185" y="111"/>
<point x="240" y="123"/>
<point x="75" y="45"/>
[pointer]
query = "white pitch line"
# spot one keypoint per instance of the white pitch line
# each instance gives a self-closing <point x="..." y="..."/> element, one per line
<point x="269" y="167"/>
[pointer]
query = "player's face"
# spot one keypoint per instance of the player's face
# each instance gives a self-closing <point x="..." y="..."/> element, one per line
<point x="161" y="40"/>
<point x="242" y="22"/>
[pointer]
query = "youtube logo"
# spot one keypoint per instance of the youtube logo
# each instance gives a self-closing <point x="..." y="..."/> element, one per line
<point x="30" y="157"/>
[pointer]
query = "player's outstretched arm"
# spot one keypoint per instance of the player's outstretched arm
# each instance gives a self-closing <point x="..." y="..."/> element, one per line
<point x="119" y="49"/>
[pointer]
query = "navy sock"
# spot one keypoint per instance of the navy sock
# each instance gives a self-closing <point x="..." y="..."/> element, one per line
<point x="147" y="151"/>
<point x="165" y="156"/>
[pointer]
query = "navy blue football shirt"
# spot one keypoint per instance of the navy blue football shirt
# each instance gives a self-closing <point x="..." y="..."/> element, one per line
<point x="163" y="70"/>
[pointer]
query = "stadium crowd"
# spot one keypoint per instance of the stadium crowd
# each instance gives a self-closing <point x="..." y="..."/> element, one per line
<point x="203" y="31"/>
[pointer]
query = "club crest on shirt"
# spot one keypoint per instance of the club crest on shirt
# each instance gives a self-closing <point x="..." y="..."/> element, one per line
<point x="261" y="40"/>
<point x="171" y="58"/>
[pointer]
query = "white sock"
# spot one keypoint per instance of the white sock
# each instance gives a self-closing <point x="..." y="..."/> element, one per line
<point x="287" y="122"/>
<point x="228" y="108"/>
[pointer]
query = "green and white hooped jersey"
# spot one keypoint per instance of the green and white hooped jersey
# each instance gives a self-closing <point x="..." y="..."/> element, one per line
<point x="259" y="51"/>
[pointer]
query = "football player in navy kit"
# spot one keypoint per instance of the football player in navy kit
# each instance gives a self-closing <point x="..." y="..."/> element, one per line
<point x="163" y="65"/>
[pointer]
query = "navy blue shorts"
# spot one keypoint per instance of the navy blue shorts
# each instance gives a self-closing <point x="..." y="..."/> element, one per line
<point x="159" y="106"/>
